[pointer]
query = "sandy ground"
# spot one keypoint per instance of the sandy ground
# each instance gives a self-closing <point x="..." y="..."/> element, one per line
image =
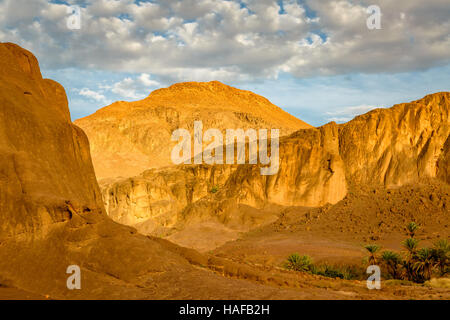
<point x="17" y="294"/>
<point x="338" y="233"/>
<point x="249" y="265"/>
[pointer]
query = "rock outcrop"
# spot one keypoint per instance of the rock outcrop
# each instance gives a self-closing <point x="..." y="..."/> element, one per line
<point x="385" y="147"/>
<point x="399" y="145"/>
<point x="128" y="138"/>
<point x="46" y="169"/>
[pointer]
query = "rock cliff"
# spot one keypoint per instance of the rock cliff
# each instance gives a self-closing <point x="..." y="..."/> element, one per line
<point x="385" y="147"/>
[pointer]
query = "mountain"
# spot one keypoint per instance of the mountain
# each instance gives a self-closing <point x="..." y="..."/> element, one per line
<point x="128" y="138"/>
<point x="52" y="215"/>
<point x="385" y="147"/>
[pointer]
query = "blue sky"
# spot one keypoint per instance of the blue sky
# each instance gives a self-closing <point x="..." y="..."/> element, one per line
<point x="316" y="59"/>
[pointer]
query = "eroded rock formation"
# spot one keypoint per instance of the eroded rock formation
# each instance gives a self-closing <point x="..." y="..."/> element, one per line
<point x="45" y="166"/>
<point x="385" y="147"/>
<point x="52" y="216"/>
<point x="128" y="138"/>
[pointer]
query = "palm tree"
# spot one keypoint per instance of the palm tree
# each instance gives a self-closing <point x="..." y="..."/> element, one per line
<point x="424" y="264"/>
<point x="392" y="260"/>
<point x="410" y="245"/>
<point x="441" y="255"/>
<point x="412" y="228"/>
<point x="373" y="249"/>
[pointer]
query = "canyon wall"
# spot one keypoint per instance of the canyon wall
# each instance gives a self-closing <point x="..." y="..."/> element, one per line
<point x="388" y="147"/>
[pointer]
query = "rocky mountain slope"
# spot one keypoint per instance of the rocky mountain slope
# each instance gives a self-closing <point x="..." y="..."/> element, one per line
<point x="52" y="216"/>
<point x="334" y="234"/>
<point x="385" y="147"/>
<point x="128" y="138"/>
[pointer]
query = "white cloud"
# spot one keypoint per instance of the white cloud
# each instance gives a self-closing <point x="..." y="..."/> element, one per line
<point x="223" y="40"/>
<point x="348" y="113"/>
<point x="146" y="81"/>
<point x="85" y="92"/>
<point x="137" y="88"/>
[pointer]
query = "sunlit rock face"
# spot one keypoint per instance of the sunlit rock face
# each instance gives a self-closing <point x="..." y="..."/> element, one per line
<point x="52" y="215"/>
<point x="46" y="172"/>
<point x="51" y="211"/>
<point x="398" y="145"/>
<point x="387" y="147"/>
<point x="128" y="138"/>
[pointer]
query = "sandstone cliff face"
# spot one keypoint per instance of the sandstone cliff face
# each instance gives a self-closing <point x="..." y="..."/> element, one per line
<point x="128" y="138"/>
<point x="159" y="193"/>
<point x="398" y="145"/>
<point x="46" y="170"/>
<point x="444" y="163"/>
<point x="386" y="147"/>
<point x="311" y="173"/>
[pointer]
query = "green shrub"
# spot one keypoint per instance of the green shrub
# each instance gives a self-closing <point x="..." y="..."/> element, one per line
<point x="334" y="271"/>
<point x="423" y="265"/>
<point x="414" y="265"/>
<point x="411" y="245"/>
<point x="329" y="271"/>
<point x="412" y="228"/>
<point x="304" y="263"/>
<point x="215" y="189"/>
<point x="297" y="262"/>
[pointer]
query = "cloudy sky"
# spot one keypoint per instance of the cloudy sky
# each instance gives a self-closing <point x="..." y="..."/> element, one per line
<point x="316" y="59"/>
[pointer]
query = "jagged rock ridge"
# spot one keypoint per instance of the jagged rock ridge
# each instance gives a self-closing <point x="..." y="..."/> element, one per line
<point x="128" y="138"/>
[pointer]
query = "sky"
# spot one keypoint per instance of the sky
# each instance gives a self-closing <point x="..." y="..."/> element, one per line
<point x="318" y="60"/>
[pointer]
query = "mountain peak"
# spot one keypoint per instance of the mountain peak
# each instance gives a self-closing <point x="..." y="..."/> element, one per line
<point x="214" y="85"/>
<point x="137" y="135"/>
<point x="210" y="85"/>
<point x="213" y="91"/>
<point x="441" y="98"/>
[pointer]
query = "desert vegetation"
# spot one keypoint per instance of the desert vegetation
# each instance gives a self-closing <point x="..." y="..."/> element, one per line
<point x="305" y="263"/>
<point x="215" y="189"/>
<point x="414" y="264"/>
